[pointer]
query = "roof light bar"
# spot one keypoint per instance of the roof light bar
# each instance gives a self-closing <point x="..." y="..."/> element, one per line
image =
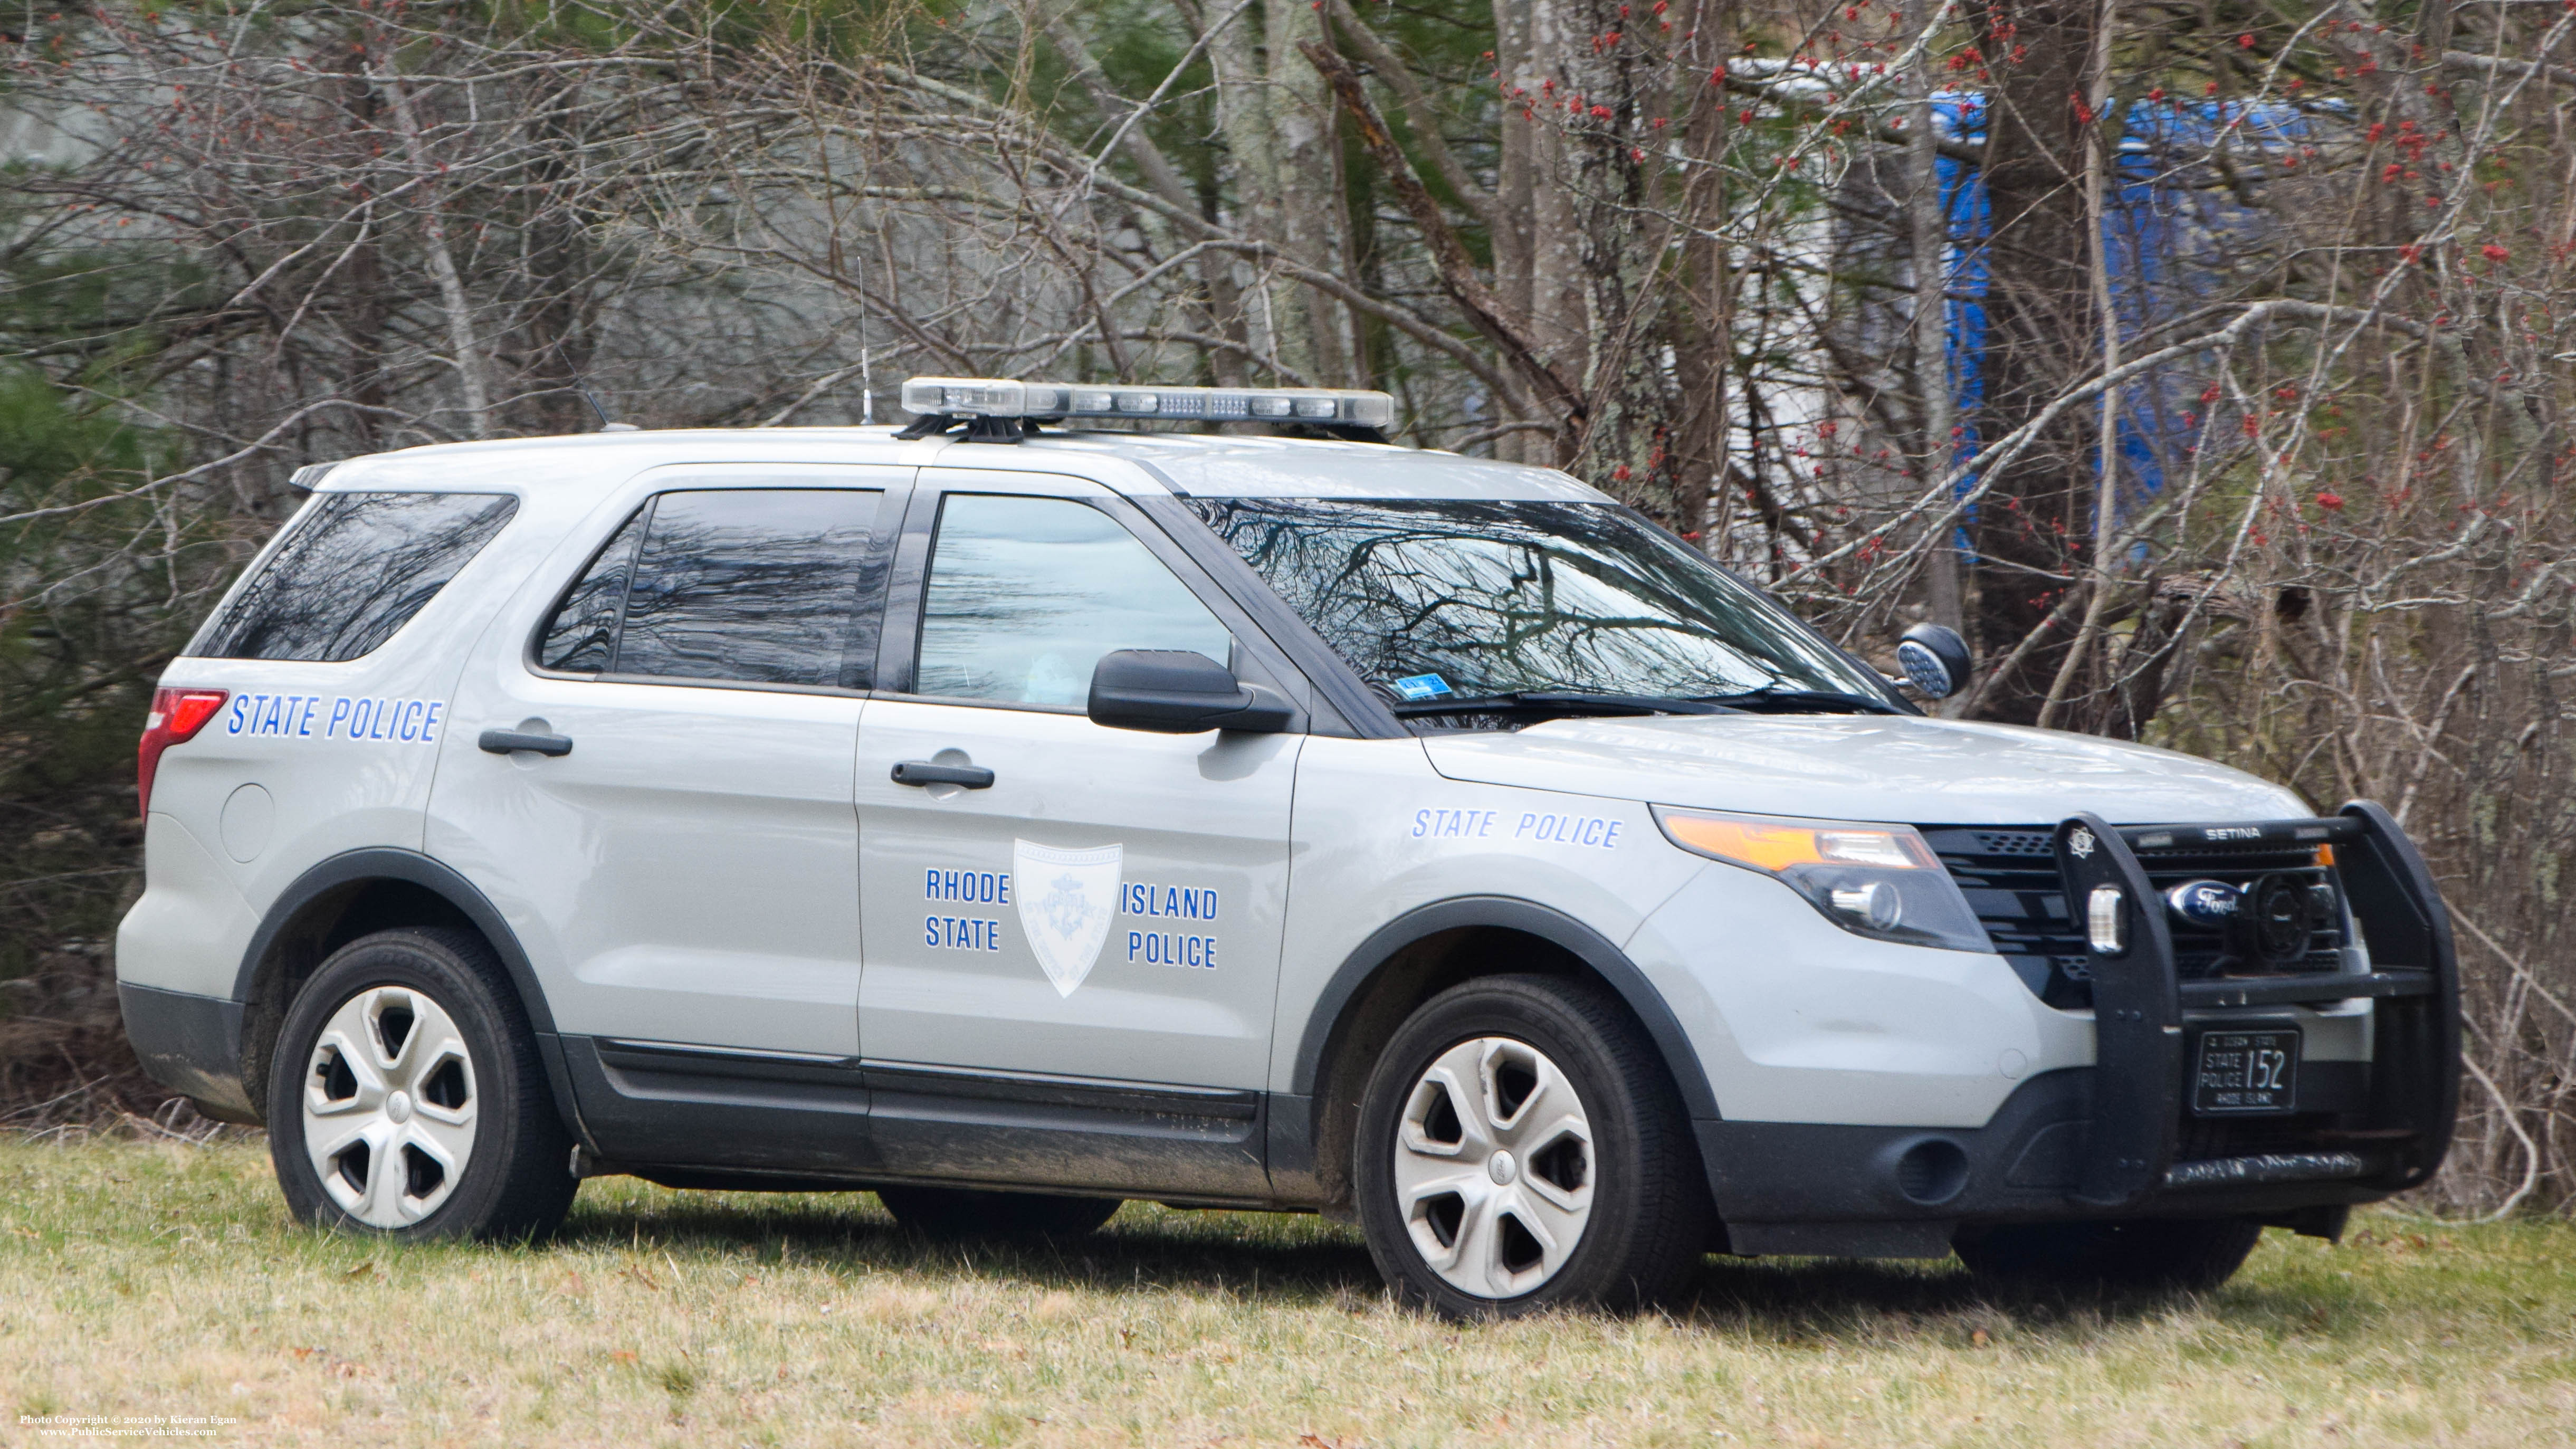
<point x="991" y="397"/>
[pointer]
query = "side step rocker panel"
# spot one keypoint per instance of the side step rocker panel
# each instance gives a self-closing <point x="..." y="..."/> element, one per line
<point x="694" y="1111"/>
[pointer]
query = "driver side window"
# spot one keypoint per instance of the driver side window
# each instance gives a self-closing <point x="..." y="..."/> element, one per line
<point x="1026" y="594"/>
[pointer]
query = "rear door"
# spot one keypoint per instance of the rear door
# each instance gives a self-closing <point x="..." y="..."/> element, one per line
<point x="683" y="870"/>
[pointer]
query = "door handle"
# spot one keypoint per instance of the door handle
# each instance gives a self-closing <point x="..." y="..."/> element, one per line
<point x="923" y="772"/>
<point x="503" y="742"/>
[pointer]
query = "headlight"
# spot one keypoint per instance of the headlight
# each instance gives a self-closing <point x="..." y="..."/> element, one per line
<point x="1879" y="881"/>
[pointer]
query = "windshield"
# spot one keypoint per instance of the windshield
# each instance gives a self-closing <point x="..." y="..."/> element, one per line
<point x="1440" y="600"/>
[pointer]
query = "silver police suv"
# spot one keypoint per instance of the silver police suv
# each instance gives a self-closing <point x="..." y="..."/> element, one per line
<point x="1010" y="818"/>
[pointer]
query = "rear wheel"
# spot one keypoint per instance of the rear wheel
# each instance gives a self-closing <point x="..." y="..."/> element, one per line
<point x="956" y="1212"/>
<point x="2153" y="1254"/>
<point x="1521" y="1148"/>
<point x="406" y="1096"/>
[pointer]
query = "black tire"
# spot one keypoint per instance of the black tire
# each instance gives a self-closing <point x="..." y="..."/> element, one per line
<point x="1648" y="1216"/>
<point x="955" y="1213"/>
<point x="2163" y="1255"/>
<point x="516" y="1179"/>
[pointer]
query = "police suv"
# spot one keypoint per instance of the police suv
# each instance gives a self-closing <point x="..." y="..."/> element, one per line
<point x="1010" y="818"/>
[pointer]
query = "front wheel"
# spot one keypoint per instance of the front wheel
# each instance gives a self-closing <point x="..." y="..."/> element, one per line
<point x="1521" y="1147"/>
<point x="406" y="1097"/>
<point x="2149" y="1254"/>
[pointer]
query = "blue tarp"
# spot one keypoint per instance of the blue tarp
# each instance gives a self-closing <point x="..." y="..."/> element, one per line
<point x="2165" y="236"/>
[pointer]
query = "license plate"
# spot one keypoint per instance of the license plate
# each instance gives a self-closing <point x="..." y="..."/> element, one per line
<point x="2239" y="1072"/>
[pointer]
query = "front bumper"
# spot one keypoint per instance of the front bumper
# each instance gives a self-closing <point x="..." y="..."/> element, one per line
<point x="2116" y="1139"/>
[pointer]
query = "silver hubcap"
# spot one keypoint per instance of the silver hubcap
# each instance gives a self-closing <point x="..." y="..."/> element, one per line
<point x="389" y="1106"/>
<point x="1493" y="1167"/>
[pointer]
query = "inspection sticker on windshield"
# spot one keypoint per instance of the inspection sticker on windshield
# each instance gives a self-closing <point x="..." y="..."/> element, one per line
<point x="1422" y="686"/>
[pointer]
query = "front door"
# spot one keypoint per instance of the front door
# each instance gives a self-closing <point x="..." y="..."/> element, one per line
<point x="685" y="871"/>
<point x="1106" y="910"/>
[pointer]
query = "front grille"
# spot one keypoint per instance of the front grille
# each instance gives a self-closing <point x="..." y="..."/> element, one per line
<point x="2009" y="875"/>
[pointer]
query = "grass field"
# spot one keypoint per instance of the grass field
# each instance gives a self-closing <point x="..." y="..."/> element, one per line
<point x="140" y="1280"/>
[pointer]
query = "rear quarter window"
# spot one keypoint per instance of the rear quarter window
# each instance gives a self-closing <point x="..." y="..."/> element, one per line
<point x="351" y="571"/>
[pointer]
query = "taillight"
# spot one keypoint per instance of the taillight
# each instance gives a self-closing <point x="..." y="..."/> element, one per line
<point x="177" y="715"/>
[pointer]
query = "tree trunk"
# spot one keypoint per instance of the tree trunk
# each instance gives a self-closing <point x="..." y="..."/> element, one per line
<point x="1277" y="126"/>
<point x="1544" y="287"/>
<point x="1928" y="216"/>
<point x="2039" y="333"/>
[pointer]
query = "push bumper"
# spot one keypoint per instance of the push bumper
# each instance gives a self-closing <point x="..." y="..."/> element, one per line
<point x="2117" y="1139"/>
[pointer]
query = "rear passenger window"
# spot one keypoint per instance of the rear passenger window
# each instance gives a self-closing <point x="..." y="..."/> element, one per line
<point x="749" y="585"/>
<point x="352" y="569"/>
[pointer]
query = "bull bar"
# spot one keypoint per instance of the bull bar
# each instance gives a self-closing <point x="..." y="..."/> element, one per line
<point x="2140" y="1002"/>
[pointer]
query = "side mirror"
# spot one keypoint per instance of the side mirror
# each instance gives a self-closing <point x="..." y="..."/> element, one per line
<point x="1179" y="692"/>
<point x="1935" y="660"/>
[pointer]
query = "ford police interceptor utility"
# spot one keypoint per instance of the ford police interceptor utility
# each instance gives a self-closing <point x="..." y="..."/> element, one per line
<point x="1012" y="819"/>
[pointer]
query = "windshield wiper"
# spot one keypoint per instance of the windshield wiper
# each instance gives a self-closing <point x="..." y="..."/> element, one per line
<point x="1773" y="697"/>
<point x="1562" y="702"/>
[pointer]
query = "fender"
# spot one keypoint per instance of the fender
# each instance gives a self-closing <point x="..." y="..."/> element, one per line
<point x="1587" y="945"/>
<point x="357" y="867"/>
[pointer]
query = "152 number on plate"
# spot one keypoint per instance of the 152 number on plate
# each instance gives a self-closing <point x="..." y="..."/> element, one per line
<point x="2246" y="1071"/>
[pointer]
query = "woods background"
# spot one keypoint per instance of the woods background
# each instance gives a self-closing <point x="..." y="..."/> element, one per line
<point x="1858" y="298"/>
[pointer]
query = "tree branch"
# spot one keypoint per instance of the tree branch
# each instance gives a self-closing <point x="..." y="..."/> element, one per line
<point x="1456" y="269"/>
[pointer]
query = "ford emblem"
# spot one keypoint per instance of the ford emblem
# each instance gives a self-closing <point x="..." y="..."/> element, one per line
<point x="2212" y="904"/>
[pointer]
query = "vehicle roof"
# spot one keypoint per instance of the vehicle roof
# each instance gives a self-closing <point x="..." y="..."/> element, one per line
<point x="1188" y="464"/>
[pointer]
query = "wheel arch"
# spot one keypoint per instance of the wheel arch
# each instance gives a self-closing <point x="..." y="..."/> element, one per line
<point x="357" y="893"/>
<point x="1427" y="950"/>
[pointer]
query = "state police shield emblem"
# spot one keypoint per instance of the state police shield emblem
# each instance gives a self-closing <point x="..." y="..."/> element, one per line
<point x="1067" y="899"/>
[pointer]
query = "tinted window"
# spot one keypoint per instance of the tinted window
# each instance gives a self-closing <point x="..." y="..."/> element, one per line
<point x="1026" y="594"/>
<point x="353" y="568"/>
<point x="1434" y="599"/>
<point x="582" y="636"/>
<point x="762" y="586"/>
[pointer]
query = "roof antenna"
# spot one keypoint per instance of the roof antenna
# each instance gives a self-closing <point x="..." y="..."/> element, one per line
<point x="605" y="425"/>
<point x="867" y="381"/>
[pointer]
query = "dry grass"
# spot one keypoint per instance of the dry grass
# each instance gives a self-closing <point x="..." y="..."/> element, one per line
<point x="141" y="1279"/>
